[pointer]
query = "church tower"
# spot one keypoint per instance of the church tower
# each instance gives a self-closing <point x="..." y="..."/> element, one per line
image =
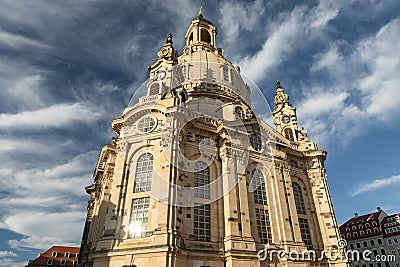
<point x="193" y="177"/>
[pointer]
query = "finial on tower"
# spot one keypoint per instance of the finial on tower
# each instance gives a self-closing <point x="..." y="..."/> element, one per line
<point x="201" y="11"/>
<point x="169" y="38"/>
<point x="278" y="84"/>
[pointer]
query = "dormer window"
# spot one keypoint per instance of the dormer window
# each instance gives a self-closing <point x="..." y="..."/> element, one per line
<point x="225" y="73"/>
<point x="205" y="36"/>
<point x="54" y="254"/>
<point x="154" y="89"/>
<point x="288" y="133"/>
<point x="67" y="254"/>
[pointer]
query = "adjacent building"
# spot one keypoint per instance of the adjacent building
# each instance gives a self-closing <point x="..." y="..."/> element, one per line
<point x="377" y="233"/>
<point x="194" y="178"/>
<point x="391" y="235"/>
<point x="59" y="256"/>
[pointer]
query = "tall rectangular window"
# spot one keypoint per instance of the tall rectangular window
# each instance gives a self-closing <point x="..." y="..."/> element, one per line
<point x="202" y="223"/>
<point x="144" y="173"/>
<point x="259" y="190"/>
<point x="225" y="73"/>
<point x="298" y="198"/>
<point x="139" y="217"/>
<point x="201" y="180"/>
<point x="305" y="232"/>
<point x="263" y="226"/>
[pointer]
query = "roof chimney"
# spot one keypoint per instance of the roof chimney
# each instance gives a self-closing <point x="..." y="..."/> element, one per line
<point x="379" y="208"/>
<point x="356" y="215"/>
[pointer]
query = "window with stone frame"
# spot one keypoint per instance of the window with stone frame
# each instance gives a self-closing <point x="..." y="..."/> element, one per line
<point x="147" y="124"/>
<point x="288" y="133"/>
<point x="255" y="142"/>
<point x="305" y="232"/>
<point x="298" y="198"/>
<point x="201" y="180"/>
<point x="139" y="217"/>
<point x="263" y="226"/>
<point x="259" y="189"/>
<point x="225" y="73"/>
<point x="202" y="222"/>
<point x="154" y="89"/>
<point x="144" y="173"/>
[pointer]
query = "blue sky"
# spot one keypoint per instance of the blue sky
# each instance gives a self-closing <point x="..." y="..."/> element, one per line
<point x="68" y="67"/>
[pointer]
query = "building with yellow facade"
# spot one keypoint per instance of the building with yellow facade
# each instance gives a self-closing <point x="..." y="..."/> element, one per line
<point x="195" y="178"/>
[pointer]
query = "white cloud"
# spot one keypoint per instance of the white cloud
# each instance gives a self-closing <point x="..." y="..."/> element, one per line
<point x="380" y="53"/>
<point x="45" y="229"/>
<point x="321" y="103"/>
<point x="5" y="253"/>
<point x="69" y="177"/>
<point x="7" y="258"/>
<point x="376" y="184"/>
<point x="298" y="27"/>
<point x="237" y="16"/>
<point x="18" y="41"/>
<point x="362" y="87"/>
<point x="275" y="48"/>
<point x="48" y="204"/>
<point x="59" y="115"/>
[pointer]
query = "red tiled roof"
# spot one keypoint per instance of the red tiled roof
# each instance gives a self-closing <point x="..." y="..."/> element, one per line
<point x="359" y="233"/>
<point x="369" y="216"/>
<point x="42" y="259"/>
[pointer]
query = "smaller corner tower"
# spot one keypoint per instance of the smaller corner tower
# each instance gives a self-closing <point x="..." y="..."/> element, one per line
<point x="285" y="118"/>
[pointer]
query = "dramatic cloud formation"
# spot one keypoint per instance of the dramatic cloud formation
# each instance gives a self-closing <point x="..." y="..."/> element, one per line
<point x="60" y="115"/>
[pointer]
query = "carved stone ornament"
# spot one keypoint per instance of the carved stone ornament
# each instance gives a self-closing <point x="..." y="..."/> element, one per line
<point x="121" y="148"/>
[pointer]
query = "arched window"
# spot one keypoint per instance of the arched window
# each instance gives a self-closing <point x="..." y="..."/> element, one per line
<point x="298" y="198"/>
<point x="144" y="173"/>
<point x="205" y="36"/>
<point x="201" y="180"/>
<point x="255" y="142"/>
<point x="259" y="191"/>
<point x="154" y="89"/>
<point x="288" y="133"/>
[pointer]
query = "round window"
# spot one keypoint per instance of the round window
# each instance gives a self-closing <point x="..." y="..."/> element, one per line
<point x="147" y="124"/>
<point x="255" y="142"/>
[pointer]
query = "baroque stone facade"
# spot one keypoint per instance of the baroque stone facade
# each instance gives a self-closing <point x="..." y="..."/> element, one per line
<point x="194" y="178"/>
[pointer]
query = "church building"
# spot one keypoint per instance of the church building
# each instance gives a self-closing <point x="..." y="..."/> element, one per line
<point x="194" y="178"/>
